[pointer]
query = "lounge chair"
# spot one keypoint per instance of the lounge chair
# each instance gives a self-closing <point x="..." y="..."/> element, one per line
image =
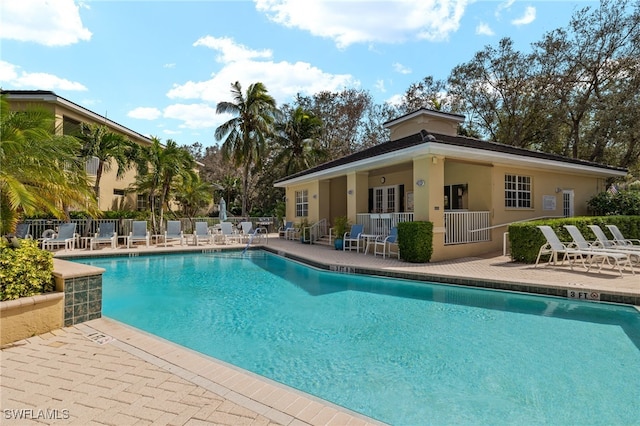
<point x="613" y="254"/>
<point x="605" y="243"/>
<point x="384" y="244"/>
<point x="139" y="232"/>
<point x="351" y="237"/>
<point x="227" y="235"/>
<point x="251" y="234"/>
<point x="66" y="236"/>
<point x="555" y="247"/>
<point x="202" y="233"/>
<point x="619" y="239"/>
<point x="106" y="235"/>
<point x="23" y="231"/>
<point x="173" y="232"/>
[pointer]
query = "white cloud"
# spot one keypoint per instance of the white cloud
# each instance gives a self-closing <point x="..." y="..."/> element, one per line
<point x="484" y="29"/>
<point x="379" y="85"/>
<point x="145" y="113"/>
<point x="502" y="6"/>
<point x="399" y="68"/>
<point x="528" y="17"/>
<point x="230" y="51"/>
<point x="13" y="77"/>
<point x="395" y="100"/>
<point x="349" y="22"/>
<point x="172" y="65"/>
<point x="51" y="23"/>
<point x="282" y="79"/>
<point x="193" y="116"/>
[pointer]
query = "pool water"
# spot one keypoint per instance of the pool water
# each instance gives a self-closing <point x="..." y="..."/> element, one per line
<point x="401" y="352"/>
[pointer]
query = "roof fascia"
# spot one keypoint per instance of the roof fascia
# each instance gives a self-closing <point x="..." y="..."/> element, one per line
<point x="450" y="151"/>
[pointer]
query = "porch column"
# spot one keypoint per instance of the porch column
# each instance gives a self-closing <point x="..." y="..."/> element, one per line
<point x="357" y="194"/>
<point x="428" y="187"/>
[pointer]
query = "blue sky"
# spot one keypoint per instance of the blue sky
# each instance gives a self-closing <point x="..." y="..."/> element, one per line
<point x="160" y="67"/>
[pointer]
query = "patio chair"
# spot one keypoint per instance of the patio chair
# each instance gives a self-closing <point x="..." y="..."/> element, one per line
<point x="66" y="236"/>
<point x="282" y="231"/>
<point x="173" y="232"/>
<point x="251" y="234"/>
<point x="384" y="244"/>
<point x="202" y="233"/>
<point x="23" y="231"/>
<point x="351" y="237"/>
<point x="106" y="235"/>
<point x="139" y="232"/>
<point x="619" y="239"/>
<point x="604" y="241"/>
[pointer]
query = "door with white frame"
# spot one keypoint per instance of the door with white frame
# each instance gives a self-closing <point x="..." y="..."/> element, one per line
<point x="567" y="202"/>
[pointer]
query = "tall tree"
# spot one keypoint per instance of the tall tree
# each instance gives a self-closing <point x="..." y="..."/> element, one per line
<point x="106" y="146"/>
<point x="590" y="72"/>
<point x="297" y="141"/>
<point x="160" y="171"/>
<point x="40" y="169"/>
<point x="245" y="134"/>
<point x="498" y="91"/>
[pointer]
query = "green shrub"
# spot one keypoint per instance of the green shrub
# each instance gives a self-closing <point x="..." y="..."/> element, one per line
<point x="415" y="241"/>
<point x="24" y="271"/>
<point x="625" y="202"/>
<point x="526" y="239"/>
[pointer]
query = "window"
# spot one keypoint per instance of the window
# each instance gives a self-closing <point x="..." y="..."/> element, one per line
<point x="302" y="203"/>
<point x="119" y="192"/>
<point x="142" y="201"/>
<point x="91" y="166"/>
<point x="517" y="191"/>
<point x="385" y="199"/>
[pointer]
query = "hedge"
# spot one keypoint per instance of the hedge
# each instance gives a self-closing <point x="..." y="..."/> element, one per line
<point x="526" y="239"/>
<point x="25" y="270"/>
<point x="415" y="241"/>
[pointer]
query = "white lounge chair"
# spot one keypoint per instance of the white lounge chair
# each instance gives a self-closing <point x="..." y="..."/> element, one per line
<point x="619" y="239"/>
<point x="604" y="241"/>
<point x="106" y="235"/>
<point x="384" y="244"/>
<point x="554" y="247"/>
<point x="351" y="237"/>
<point x="66" y="236"/>
<point x="227" y="234"/>
<point x="619" y="257"/>
<point x="173" y="232"/>
<point x="201" y="233"/>
<point x="139" y="232"/>
<point x="282" y="231"/>
<point x="251" y="234"/>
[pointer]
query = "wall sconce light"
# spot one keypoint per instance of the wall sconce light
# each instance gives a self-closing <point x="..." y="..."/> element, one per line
<point x="315" y="196"/>
<point x="350" y="192"/>
<point x="420" y="182"/>
<point x="558" y="190"/>
<point x="434" y="160"/>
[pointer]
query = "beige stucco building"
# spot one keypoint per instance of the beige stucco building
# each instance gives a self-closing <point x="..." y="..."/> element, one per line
<point x="470" y="189"/>
<point x="68" y="117"/>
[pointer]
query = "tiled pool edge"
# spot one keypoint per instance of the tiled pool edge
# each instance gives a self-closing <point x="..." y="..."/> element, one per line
<point x="224" y="379"/>
<point x="557" y="291"/>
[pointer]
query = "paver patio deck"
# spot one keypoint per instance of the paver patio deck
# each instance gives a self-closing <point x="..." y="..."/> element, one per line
<point x="64" y="377"/>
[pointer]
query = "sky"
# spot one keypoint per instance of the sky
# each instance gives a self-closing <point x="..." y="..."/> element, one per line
<point x="161" y="67"/>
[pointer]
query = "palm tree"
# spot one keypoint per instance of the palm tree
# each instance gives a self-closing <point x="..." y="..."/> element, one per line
<point x="298" y="137"/>
<point x="159" y="172"/>
<point x="106" y="146"/>
<point x="245" y="134"/>
<point x="193" y="195"/>
<point x="40" y="169"/>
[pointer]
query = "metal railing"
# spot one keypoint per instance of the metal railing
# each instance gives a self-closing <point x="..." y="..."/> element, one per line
<point x="381" y="223"/>
<point x="466" y="227"/>
<point x="313" y="233"/>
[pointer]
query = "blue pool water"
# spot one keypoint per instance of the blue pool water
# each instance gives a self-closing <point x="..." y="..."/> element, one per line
<point x="402" y="352"/>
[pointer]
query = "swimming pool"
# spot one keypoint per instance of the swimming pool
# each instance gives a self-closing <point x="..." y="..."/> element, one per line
<point x="397" y="351"/>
